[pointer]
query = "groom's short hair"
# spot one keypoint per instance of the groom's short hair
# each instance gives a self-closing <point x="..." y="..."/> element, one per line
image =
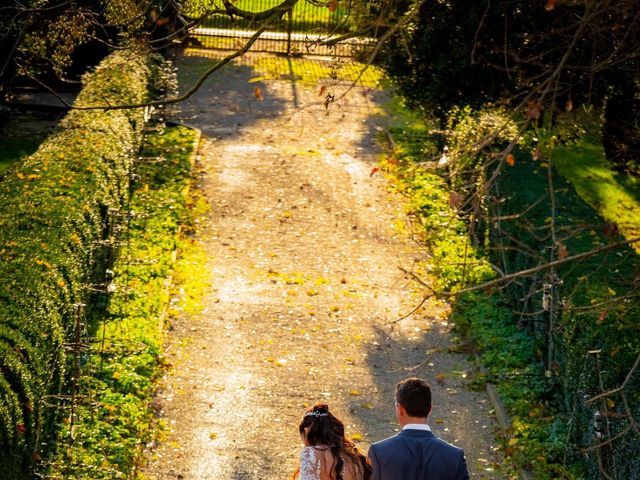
<point x="414" y="395"/>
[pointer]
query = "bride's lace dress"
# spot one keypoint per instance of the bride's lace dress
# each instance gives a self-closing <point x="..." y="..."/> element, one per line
<point x="317" y="462"/>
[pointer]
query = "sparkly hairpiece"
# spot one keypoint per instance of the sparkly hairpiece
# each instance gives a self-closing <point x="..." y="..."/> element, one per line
<point x="316" y="414"/>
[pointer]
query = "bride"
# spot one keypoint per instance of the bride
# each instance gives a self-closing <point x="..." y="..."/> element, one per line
<point x="327" y="454"/>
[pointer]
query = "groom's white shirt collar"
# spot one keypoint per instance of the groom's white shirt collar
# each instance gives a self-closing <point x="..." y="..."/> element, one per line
<point x="417" y="426"/>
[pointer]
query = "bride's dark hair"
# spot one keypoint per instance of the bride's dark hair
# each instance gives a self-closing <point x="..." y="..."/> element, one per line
<point x="323" y="428"/>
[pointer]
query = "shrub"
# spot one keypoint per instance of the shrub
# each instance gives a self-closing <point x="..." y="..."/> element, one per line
<point x="545" y="371"/>
<point x="55" y="251"/>
<point x="119" y="374"/>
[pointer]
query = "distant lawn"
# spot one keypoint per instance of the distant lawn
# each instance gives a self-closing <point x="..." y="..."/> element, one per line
<point x="306" y="16"/>
<point x="13" y="150"/>
<point x="615" y="196"/>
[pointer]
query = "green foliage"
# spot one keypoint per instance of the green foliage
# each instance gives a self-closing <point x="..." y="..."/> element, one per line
<point x="53" y="209"/>
<point x="596" y="306"/>
<point x="117" y="421"/>
<point x="544" y="377"/>
<point x="473" y="52"/>
<point x="13" y="150"/>
<point x="614" y="195"/>
<point x="445" y="233"/>
<point x="430" y="60"/>
<point x="428" y="194"/>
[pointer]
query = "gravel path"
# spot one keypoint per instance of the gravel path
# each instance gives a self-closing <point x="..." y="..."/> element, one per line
<point x="305" y="287"/>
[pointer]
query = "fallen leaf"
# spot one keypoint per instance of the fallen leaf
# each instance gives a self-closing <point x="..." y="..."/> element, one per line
<point x="440" y="377"/>
<point x="511" y="160"/>
<point x="562" y="251"/>
<point x="536" y="154"/>
<point x="534" y="109"/>
<point x="610" y="230"/>
<point x="569" y="105"/>
<point x="374" y="170"/>
<point x="551" y="4"/>
<point x="601" y="316"/>
<point x="354" y="393"/>
<point x="455" y="199"/>
<point x="258" y="93"/>
<point x="213" y="435"/>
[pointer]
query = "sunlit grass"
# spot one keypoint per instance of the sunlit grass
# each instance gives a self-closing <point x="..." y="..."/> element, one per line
<point x="310" y="71"/>
<point x="305" y="16"/>
<point x="267" y="67"/>
<point x="614" y="195"/>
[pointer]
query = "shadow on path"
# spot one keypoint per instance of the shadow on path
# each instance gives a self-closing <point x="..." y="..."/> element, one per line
<point x="303" y="261"/>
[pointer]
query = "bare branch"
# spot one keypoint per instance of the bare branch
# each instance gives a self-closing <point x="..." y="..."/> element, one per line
<point x="621" y="387"/>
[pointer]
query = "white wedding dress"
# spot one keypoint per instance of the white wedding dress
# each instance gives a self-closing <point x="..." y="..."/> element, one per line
<point x="310" y="468"/>
<point x="317" y="462"/>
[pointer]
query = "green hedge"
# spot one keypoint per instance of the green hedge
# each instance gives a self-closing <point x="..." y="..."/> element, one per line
<point x="116" y="421"/>
<point x="54" y="252"/>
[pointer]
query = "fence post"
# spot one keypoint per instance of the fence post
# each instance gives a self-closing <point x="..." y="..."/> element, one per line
<point x="289" y="29"/>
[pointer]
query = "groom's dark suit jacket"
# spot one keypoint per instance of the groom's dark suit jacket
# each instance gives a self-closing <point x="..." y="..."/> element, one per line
<point x="417" y="455"/>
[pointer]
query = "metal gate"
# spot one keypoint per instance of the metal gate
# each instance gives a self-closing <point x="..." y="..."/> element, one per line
<point x="299" y="31"/>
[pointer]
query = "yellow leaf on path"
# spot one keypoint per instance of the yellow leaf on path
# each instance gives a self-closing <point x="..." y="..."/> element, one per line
<point x="513" y="441"/>
<point x="213" y="435"/>
<point x="354" y="393"/>
<point x="257" y="79"/>
<point x="610" y="403"/>
<point x="356" y="437"/>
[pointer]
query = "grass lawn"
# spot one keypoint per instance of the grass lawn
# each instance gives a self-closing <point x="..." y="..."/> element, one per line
<point x="305" y="16"/>
<point x="13" y="150"/>
<point x="615" y="196"/>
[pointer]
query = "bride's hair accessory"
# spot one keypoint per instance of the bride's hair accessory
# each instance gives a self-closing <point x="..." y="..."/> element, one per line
<point x="318" y="411"/>
<point x="316" y="414"/>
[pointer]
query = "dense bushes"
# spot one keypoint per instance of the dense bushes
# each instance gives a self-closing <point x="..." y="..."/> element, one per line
<point x="542" y="57"/>
<point x="585" y="321"/>
<point x="53" y="242"/>
<point x="550" y="340"/>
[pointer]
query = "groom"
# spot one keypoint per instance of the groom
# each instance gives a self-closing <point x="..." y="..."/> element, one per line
<point x="415" y="453"/>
